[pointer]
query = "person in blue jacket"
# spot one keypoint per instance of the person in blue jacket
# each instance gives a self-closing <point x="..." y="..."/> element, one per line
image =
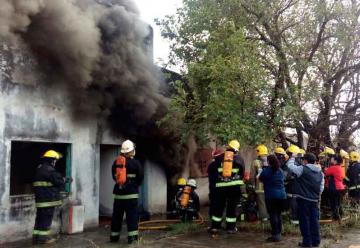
<point x="308" y="186"/>
<point x="272" y="177"/>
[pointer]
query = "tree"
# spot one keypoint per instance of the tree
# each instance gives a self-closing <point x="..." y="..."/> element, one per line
<point x="225" y="87"/>
<point x="306" y="51"/>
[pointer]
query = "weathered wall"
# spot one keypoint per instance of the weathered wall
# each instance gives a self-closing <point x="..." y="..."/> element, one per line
<point x="154" y="189"/>
<point x="31" y="111"/>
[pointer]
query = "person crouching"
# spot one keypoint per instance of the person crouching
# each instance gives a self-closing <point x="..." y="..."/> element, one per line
<point x="189" y="202"/>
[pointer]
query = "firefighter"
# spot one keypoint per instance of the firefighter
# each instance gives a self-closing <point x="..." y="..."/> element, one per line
<point x="128" y="174"/>
<point x="300" y="157"/>
<point x="325" y="157"/>
<point x="289" y="185"/>
<point x="212" y="177"/>
<point x="255" y="170"/>
<point x="181" y="183"/>
<point x="281" y="156"/>
<point x="189" y="202"/>
<point x="47" y="185"/>
<point x="228" y="169"/>
<point x="353" y="177"/>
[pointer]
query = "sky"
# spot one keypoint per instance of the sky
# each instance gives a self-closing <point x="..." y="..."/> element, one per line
<point x="151" y="9"/>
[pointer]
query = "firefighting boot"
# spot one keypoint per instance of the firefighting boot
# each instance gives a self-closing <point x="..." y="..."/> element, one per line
<point x="232" y="230"/>
<point x="133" y="239"/>
<point x="44" y="241"/>
<point x="114" y="239"/>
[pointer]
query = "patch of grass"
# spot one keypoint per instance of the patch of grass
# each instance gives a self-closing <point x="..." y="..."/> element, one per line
<point x="183" y="228"/>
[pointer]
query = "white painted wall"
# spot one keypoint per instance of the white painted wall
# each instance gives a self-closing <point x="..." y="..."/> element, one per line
<point x="107" y="157"/>
<point x="155" y="189"/>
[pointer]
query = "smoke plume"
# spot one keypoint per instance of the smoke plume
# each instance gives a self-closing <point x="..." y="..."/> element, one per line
<point x="101" y="50"/>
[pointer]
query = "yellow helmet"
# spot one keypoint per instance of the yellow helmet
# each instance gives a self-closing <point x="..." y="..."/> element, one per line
<point x="302" y="152"/>
<point x="280" y="150"/>
<point x="293" y="149"/>
<point x="52" y="154"/>
<point x="261" y="150"/>
<point x="354" y="156"/>
<point x="181" y="181"/>
<point x="329" y="151"/>
<point x="344" y="154"/>
<point x="234" y="144"/>
<point x="322" y="154"/>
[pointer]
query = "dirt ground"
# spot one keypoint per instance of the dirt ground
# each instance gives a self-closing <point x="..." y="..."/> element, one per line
<point x="199" y="239"/>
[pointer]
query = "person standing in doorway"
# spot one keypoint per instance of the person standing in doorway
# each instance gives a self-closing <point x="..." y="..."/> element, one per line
<point x="128" y="174"/>
<point x="47" y="186"/>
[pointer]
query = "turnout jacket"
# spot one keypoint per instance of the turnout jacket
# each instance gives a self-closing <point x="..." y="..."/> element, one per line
<point x="353" y="176"/>
<point x="47" y="185"/>
<point x="215" y="172"/>
<point x="134" y="178"/>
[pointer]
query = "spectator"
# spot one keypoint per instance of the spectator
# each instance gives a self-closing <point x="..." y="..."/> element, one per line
<point x="275" y="196"/>
<point x="336" y="187"/>
<point x="308" y="186"/>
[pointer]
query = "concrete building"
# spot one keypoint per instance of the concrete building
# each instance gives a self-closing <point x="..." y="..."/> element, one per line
<point x="34" y="117"/>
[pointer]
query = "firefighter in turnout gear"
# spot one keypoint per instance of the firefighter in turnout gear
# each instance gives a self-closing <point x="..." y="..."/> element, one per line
<point x="128" y="174"/>
<point x="181" y="183"/>
<point x="255" y="171"/>
<point x="353" y="177"/>
<point x="289" y="184"/>
<point x="47" y="185"/>
<point x="189" y="202"/>
<point x="228" y="170"/>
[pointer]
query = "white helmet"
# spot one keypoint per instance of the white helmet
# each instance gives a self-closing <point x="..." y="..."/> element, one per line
<point x="192" y="183"/>
<point x="127" y="146"/>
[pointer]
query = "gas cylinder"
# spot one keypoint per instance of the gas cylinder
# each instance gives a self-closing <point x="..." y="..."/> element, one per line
<point x="120" y="170"/>
<point x="228" y="164"/>
<point x="185" y="197"/>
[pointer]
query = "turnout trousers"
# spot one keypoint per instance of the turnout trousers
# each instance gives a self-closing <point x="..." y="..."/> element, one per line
<point x="43" y="222"/>
<point x="225" y="197"/>
<point x="129" y="208"/>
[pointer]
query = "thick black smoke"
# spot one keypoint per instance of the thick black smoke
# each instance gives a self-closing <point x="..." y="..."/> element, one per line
<point x="91" y="46"/>
<point x="101" y="51"/>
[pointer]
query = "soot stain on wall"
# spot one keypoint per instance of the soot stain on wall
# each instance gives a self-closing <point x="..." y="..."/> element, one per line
<point x="25" y="126"/>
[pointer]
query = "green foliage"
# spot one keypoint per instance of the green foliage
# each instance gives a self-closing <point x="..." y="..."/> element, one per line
<point x="253" y="68"/>
<point x="225" y="91"/>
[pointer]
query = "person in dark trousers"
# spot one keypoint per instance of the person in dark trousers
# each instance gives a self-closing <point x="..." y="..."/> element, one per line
<point x="181" y="183"/>
<point x="212" y="177"/>
<point x="353" y="177"/>
<point x="228" y="170"/>
<point x="335" y="175"/>
<point x="258" y="163"/>
<point x="272" y="177"/>
<point x="308" y="186"/>
<point x="47" y="186"/>
<point x="289" y="184"/>
<point x="128" y="174"/>
<point x="190" y="210"/>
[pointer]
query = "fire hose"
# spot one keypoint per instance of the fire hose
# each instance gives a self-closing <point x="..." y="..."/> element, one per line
<point x="164" y="224"/>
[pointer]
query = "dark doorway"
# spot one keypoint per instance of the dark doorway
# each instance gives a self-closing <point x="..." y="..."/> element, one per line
<point x="25" y="157"/>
